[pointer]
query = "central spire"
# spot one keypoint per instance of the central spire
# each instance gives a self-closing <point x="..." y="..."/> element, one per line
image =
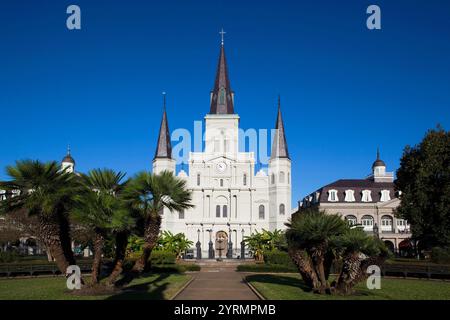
<point x="222" y="97"/>
<point x="164" y="147"/>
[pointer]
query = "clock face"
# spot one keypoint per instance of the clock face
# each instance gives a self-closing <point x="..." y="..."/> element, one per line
<point x="221" y="166"/>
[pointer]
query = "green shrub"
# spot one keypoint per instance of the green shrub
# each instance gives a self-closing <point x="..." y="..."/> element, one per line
<point x="266" y="268"/>
<point x="162" y="257"/>
<point x="440" y="255"/>
<point x="8" y="256"/>
<point x="277" y="257"/>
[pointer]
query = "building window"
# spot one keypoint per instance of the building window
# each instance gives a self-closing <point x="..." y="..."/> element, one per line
<point x="351" y="220"/>
<point x="217" y="211"/>
<point x="367" y="222"/>
<point x="282" y="209"/>
<point x="181" y="214"/>
<point x="272" y="178"/>
<point x="333" y="195"/>
<point x="385" y="196"/>
<point x="198" y="179"/>
<point x="349" y="195"/>
<point x="261" y="212"/>
<point x="224" y="211"/>
<point x="386" y="223"/>
<point x="221" y="182"/>
<point x="244" y="179"/>
<point x="366" y="196"/>
<point x="281" y="177"/>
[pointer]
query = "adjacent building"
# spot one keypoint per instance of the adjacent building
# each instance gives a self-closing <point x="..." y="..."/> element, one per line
<point x="369" y="203"/>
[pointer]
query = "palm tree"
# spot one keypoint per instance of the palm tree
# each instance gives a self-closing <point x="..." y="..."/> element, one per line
<point x="358" y="251"/>
<point x="177" y="243"/>
<point x="149" y="194"/>
<point x="47" y="192"/>
<point x="309" y="235"/>
<point x="100" y="208"/>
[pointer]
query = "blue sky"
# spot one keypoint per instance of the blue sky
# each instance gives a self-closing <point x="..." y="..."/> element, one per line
<point x="345" y="90"/>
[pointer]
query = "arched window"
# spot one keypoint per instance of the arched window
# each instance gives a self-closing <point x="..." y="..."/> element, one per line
<point x="221" y="182"/>
<point x="181" y="214"/>
<point x="385" y="195"/>
<point x="261" y="212"/>
<point x="244" y="179"/>
<point x="198" y="179"/>
<point x="367" y="222"/>
<point x="281" y="177"/>
<point x="333" y="195"/>
<point x="387" y="223"/>
<point x="351" y="220"/>
<point x="366" y="196"/>
<point x="217" y="211"/>
<point x="273" y="178"/>
<point x="222" y="96"/>
<point x="224" y="211"/>
<point x="282" y="209"/>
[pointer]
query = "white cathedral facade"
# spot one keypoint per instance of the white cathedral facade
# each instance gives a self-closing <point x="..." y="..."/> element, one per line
<point x="230" y="199"/>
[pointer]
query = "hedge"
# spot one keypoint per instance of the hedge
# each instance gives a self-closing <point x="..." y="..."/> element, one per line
<point x="440" y="255"/>
<point x="162" y="257"/>
<point x="277" y="257"/>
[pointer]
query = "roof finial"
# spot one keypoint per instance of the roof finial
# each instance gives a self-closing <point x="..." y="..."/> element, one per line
<point x="164" y="99"/>
<point x="378" y="153"/>
<point x="68" y="149"/>
<point x="222" y="33"/>
<point x="279" y="101"/>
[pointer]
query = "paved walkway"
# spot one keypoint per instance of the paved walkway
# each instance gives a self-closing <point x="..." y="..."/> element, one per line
<point x="218" y="281"/>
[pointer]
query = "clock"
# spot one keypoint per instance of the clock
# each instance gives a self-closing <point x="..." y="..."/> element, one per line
<point x="221" y="167"/>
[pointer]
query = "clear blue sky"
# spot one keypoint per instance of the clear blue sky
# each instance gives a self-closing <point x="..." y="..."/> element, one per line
<point x="345" y="90"/>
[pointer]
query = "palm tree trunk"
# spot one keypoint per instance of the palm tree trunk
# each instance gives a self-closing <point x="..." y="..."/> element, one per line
<point x="318" y="261"/>
<point x="52" y="236"/>
<point x="121" y="247"/>
<point x="305" y="268"/>
<point x="350" y="269"/>
<point x="151" y="234"/>
<point x="98" y="252"/>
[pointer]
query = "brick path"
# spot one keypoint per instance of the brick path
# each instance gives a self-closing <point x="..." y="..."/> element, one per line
<point x="217" y="281"/>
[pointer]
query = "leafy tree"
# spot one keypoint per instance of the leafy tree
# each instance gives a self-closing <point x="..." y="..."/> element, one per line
<point x="148" y="194"/>
<point x="424" y="181"/>
<point x="261" y="242"/>
<point x="48" y="193"/>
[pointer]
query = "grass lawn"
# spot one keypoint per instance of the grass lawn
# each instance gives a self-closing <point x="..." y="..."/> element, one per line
<point x="155" y="286"/>
<point x="291" y="287"/>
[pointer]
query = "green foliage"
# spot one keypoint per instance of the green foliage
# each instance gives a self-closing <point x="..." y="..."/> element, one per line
<point x="177" y="243"/>
<point x="424" y="180"/>
<point x="356" y="240"/>
<point x="277" y="257"/>
<point x="261" y="242"/>
<point x="135" y="245"/>
<point x="161" y="257"/>
<point x="8" y="256"/>
<point x="440" y="255"/>
<point x="266" y="268"/>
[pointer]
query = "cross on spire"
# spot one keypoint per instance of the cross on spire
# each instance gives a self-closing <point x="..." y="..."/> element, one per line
<point x="222" y="33"/>
<point x="164" y="99"/>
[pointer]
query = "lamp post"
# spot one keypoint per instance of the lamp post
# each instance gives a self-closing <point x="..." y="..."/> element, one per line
<point x="230" y="244"/>
<point x="210" y="245"/>
<point x="242" y="245"/>
<point x="199" y="246"/>
<point x="376" y="230"/>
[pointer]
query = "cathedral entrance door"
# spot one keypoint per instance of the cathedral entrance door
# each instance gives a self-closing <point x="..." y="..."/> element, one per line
<point x="221" y="244"/>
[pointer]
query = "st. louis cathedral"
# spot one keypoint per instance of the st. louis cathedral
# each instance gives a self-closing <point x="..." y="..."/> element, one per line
<point x="230" y="200"/>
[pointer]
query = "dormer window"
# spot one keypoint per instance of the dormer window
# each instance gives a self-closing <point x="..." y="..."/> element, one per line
<point x="366" y="196"/>
<point x="385" y="196"/>
<point x="349" y="196"/>
<point x="333" y="195"/>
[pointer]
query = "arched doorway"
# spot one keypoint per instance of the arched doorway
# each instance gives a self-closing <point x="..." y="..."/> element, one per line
<point x="406" y="249"/>
<point x="390" y="245"/>
<point x="221" y="244"/>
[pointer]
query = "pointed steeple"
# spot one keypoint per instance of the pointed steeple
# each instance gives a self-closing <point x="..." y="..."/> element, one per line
<point x="164" y="147"/>
<point x="222" y="95"/>
<point x="279" y="145"/>
<point x="68" y="158"/>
